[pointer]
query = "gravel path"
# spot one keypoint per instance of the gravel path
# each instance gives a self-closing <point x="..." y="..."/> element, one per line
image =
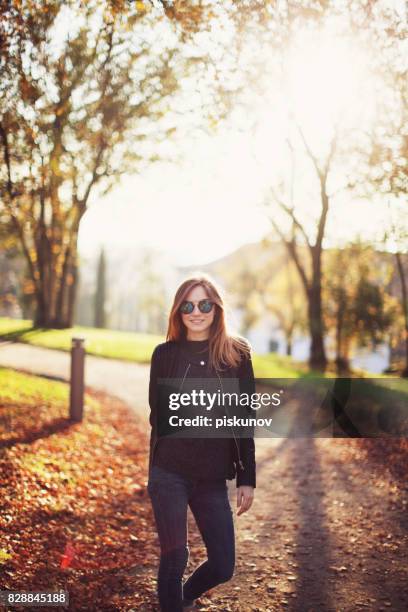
<point x="328" y="527"/>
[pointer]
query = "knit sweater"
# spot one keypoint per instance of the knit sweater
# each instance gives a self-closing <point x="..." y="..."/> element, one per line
<point x="200" y="458"/>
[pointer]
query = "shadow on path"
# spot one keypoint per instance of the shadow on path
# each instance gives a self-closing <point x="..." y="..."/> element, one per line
<point x="312" y="549"/>
<point x="18" y="335"/>
<point x="299" y="458"/>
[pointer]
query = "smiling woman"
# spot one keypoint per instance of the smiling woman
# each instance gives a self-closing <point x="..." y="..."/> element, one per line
<point x="191" y="471"/>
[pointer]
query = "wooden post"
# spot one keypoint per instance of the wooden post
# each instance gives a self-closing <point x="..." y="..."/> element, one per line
<point x="76" y="404"/>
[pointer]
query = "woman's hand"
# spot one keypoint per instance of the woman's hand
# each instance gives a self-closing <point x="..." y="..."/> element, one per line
<point x="245" y="497"/>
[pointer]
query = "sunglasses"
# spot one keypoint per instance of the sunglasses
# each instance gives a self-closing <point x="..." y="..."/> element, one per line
<point x="204" y="306"/>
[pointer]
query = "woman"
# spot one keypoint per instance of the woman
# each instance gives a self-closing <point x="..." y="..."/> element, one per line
<point x="193" y="471"/>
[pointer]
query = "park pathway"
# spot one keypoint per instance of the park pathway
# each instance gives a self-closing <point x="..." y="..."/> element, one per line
<point x="328" y="527"/>
<point x="128" y="381"/>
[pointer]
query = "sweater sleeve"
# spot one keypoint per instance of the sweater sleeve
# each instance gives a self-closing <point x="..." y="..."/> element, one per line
<point x="247" y="445"/>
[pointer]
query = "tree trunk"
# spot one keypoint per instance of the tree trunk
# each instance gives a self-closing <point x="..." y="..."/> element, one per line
<point x="55" y="295"/>
<point x="61" y="297"/>
<point x="317" y="358"/>
<point x="100" y="293"/>
<point x="72" y="292"/>
<point x="404" y="292"/>
<point x="342" y="365"/>
<point x="338" y="336"/>
<point x="289" y="338"/>
<point x="42" y="317"/>
<point x="342" y="360"/>
<point x="68" y="287"/>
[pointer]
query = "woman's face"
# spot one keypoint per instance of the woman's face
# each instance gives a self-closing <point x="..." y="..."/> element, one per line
<point x="197" y="323"/>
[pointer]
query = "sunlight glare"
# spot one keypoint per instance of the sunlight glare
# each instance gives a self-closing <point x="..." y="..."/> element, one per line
<point x="327" y="81"/>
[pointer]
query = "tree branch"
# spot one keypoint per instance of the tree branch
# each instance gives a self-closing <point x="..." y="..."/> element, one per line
<point x="308" y="149"/>
<point x="290" y="211"/>
<point x="292" y="250"/>
<point x="12" y="195"/>
<point x="95" y="177"/>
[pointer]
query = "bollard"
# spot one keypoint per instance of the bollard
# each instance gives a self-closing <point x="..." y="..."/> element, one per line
<point x="76" y="404"/>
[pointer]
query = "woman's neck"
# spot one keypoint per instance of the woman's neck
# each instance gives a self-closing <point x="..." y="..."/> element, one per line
<point x="197" y="336"/>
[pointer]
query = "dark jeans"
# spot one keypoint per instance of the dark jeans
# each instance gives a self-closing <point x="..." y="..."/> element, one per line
<point x="170" y="494"/>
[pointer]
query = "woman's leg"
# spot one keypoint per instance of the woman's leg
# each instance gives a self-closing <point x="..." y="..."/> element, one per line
<point x="210" y="506"/>
<point x="169" y="494"/>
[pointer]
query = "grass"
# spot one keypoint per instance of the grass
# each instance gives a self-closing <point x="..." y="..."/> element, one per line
<point x="16" y="387"/>
<point x="281" y="366"/>
<point x="11" y="326"/>
<point x="129" y="346"/>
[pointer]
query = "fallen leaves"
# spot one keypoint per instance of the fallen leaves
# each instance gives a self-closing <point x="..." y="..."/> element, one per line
<point x="68" y="556"/>
<point x="342" y="568"/>
<point x="74" y="513"/>
<point x="4" y="556"/>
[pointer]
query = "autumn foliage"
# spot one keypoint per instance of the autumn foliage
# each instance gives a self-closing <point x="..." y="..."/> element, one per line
<point x="74" y="510"/>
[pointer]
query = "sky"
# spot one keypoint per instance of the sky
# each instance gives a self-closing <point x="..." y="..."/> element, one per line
<point x="195" y="212"/>
<point x="206" y="207"/>
<point x="203" y="210"/>
<point x="210" y="203"/>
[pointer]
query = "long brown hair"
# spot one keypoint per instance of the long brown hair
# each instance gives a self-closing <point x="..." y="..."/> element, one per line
<point x="224" y="350"/>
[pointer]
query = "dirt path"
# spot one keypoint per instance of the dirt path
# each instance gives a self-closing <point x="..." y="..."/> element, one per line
<point x="328" y="527"/>
<point x="326" y="531"/>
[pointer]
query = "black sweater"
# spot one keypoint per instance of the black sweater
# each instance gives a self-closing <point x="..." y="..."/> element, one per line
<point x="201" y="458"/>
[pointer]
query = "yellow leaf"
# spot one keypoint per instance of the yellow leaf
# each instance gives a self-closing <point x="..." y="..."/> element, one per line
<point x="4" y="556"/>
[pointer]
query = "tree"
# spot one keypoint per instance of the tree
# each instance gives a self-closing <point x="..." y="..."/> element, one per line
<point x="370" y="154"/>
<point x="151" y="297"/>
<point x="247" y="298"/>
<point x="385" y="151"/>
<point x="263" y="289"/>
<point x="310" y="274"/>
<point x="76" y="113"/>
<point x="369" y="312"/>
<point x="282" y="297"/>
<point x="345" y="157"/>
<point x="359" y="309"/>
<point x="339" y="299"/>
<point x="100" y="292"/>
<point x="404" y="306"/>
<point x="397" y="239"/>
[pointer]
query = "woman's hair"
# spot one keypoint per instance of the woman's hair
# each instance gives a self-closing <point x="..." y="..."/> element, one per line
<point x="224" y="350"/>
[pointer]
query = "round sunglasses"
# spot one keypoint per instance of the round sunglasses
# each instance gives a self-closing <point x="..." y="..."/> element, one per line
<point x="204" y="306"/>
